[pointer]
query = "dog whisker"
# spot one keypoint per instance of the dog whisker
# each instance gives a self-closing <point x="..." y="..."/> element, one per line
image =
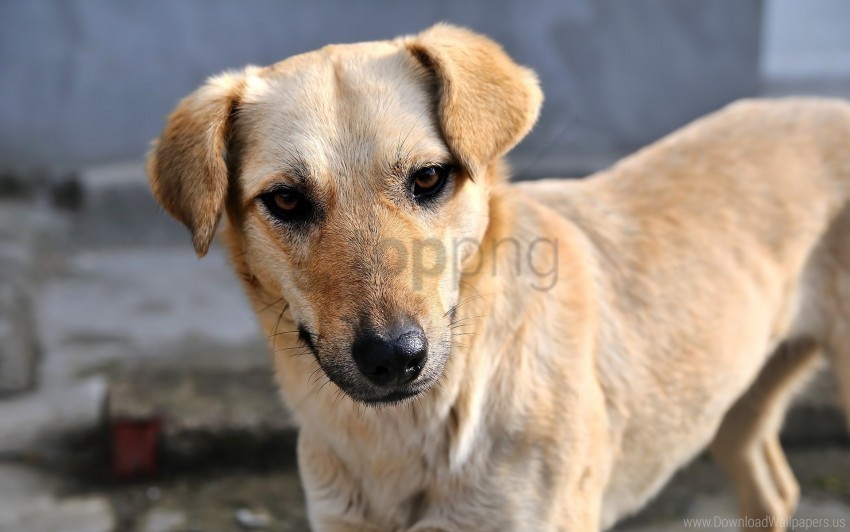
<point x="270" y="305"/>
<point x="282" y="333"/>
<point x="290" y="348"/>
<point x="337" y="398"/>
<point x="327" y="380"/>
<point x="465" y="322"/>
<point x="458" y="305"/>
<point x="315" y="375"/>
<point x="276" y="325"/>
<point x="403" y="142"/>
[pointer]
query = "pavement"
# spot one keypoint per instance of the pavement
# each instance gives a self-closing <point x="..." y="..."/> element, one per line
<point x="237" y="499"/>
<point x="30" y="501"/>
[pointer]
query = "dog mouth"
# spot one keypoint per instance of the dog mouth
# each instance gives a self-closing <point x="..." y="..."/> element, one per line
<point x="398" y="396"/>
<point x="355" y="386"/>
<point x="371" y="395"/>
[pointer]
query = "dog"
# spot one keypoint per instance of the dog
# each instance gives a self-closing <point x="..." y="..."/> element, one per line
<point x="440" y="381"/>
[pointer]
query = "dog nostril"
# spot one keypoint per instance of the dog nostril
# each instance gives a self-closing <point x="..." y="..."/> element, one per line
<point x="412" y="348"/>
<point x="412" y="345"/>
<point x="391" y="361"/>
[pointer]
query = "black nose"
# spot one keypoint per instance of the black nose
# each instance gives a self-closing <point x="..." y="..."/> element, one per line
<point x="391" y="361"/>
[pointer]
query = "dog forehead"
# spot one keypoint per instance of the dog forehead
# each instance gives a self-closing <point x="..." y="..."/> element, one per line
<point x="343" y="113"/>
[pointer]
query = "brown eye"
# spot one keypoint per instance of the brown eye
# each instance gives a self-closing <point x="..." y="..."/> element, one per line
<point x="287" y="205"/>
<point x="427" y="178"/>
<point x="285" y="201"/>
<point x="429" y="181"/>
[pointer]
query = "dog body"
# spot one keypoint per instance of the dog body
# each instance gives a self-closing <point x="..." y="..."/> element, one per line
<point x="688" y="288"/>
<point x="722" y="264"/>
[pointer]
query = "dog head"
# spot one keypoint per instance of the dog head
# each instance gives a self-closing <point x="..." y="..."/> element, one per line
<point x="356" y="182"/>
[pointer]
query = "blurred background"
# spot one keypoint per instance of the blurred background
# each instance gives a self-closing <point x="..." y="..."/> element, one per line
<point x="135" y="387"/>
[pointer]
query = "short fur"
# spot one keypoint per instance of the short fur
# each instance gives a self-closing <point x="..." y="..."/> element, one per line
<point x="697" y="281"/>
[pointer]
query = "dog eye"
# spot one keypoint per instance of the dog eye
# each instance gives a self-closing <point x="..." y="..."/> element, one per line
<point x="286" y="204"/>
<point x="428" y="181"/>
<point x="285" y="201"/>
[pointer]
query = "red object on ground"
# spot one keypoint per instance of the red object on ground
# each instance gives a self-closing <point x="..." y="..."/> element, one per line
<point x="135" y="448"/>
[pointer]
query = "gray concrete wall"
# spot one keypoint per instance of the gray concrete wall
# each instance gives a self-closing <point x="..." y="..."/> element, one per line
<point x="806" y="40"/>
<point x="90" y="81"/>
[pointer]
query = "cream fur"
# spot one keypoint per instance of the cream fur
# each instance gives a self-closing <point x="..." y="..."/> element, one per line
<point x="697" y="280"/>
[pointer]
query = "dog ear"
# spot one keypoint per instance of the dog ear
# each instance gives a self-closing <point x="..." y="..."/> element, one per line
<point x="187" y="165"/>
<point x="486" y="102"/>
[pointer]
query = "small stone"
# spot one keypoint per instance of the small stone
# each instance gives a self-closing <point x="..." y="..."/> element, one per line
<point x="252" y="519"/>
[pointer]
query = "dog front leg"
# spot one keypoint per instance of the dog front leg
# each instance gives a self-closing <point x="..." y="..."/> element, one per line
<point x="577" y="504"/>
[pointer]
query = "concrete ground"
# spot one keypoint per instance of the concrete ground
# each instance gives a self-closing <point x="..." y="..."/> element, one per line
<point x="237" y="499"/>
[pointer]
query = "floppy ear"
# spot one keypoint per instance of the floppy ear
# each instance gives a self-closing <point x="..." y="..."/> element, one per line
<point x="187" y="165"/>
<point x="487" y="102"/>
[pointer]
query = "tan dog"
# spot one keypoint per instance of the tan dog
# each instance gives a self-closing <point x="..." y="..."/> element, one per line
<point x="466" y="354"/>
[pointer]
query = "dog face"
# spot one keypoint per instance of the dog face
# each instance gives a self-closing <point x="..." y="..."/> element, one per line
<point x="355" y="178"/>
